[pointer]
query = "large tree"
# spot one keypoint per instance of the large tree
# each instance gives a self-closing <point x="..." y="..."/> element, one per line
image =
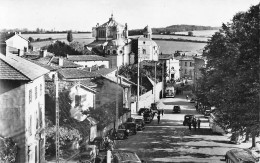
<point x="69" y="36"/>
<point x="231" y="77"/>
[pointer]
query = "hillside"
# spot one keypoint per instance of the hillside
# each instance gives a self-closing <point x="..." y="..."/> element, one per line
<point x="174" y="28"/>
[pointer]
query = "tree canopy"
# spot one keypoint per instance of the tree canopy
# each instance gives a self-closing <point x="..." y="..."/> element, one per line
<point x="230" y="80"/>
<point x="69" y="36"/>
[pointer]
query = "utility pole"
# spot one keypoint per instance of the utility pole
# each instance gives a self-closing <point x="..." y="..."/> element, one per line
<point x="57" y="137"/>
<point x="154" y="81"/>
<point x="116" y="98"/>
<point x="137" y="102"/>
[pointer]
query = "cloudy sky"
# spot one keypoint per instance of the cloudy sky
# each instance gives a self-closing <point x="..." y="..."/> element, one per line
<point x="85" y="14"/>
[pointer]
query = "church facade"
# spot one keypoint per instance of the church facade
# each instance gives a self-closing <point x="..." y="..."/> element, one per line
<point x="119" y="48"/>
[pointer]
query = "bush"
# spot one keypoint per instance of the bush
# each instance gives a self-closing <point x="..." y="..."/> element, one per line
<point x="8" y="150"/>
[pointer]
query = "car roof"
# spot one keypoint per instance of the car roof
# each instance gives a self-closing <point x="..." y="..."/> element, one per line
<point x="242" y="154"/>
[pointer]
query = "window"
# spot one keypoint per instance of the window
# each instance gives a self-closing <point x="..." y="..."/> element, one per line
<point x="77" y="100"/>
<point x="40" y="89"/>
<point x="185" y="71"/>
<point x="30" y="96"/>
<point x="121" y="51"/>
<point x="36" y="92"/>
<point x="30" y="125"/>
<point x="185" y="63"/>
<point x="114" y="51"/>
<point x="144" y="51"/>
<point x="190" y="64"/>
<point x="108" y="52"/>
<point x="190" y="72"/>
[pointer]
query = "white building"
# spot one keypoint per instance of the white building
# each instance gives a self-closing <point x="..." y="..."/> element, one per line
<point x="89" y="60"/>
<point x="22" y="107"/>
<point x="17" y="45"/>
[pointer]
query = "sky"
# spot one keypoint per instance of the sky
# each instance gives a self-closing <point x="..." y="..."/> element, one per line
<point x="84" y="14"/>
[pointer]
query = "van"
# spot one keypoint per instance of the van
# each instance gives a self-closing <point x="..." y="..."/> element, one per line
<point x="240" y="156"/>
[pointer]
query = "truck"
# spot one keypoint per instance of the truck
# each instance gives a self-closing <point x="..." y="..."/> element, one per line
<point x="169" y="91"/>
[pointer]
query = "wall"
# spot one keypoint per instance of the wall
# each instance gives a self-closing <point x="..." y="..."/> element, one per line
<point x="146" y="99"/>
<point x="18" y="43"/>
<point x="92" y="63"/>
<point x="190" y="69"/>
<point x="173" y="63"/>
<point x="12" y="113"/>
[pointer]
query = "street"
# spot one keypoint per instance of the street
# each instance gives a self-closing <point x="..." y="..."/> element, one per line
<point x="170" y="141"/>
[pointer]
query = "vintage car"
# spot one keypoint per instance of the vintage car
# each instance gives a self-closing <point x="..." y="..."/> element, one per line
<point x="122" y="134"/>
<point x="188" y="118"/>
<point x="130" y="119"/>
<point x="176" y="109"/>
<point x="148" y="117"/>
<point x="132" y="127"/>
<point x="140" y="124"/>
<point x="142" y="110"/>
<point x="239" y="155"/>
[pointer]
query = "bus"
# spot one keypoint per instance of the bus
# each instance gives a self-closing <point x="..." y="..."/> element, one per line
<point x="170" y="91"/>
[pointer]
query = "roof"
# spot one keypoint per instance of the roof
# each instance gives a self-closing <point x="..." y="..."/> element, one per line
<point x="118" y="42"/>
<point x="111" y="23"/>
<point x="147" y="41"/>
<point x="165" y="56"/>
<point x="244" y="155"/>
<point x="87" y="58"/>
<point x="121" y="82"/>
<point x="17" y="35"/>
<point x="105" y="71"/>
<point x="73" y="73"/>
<point x="17" y="68"/>
<point x="97" y="43"/>
<point x="87" y="82"/>
<point x="186" y="59"/>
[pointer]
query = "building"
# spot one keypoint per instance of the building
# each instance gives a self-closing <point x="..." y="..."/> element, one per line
<point x="22" y="106"/>
<point x="186" y="68"/>
<point x="144" y="47"/>
<point x="89" y="60"/>
<point x="17" y="44"/>
<point x="172" y="66"/>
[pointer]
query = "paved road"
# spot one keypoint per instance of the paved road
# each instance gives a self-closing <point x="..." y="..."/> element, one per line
<point x="170" y="141"/>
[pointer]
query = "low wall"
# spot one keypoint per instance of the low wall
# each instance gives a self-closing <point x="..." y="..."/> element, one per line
<point x="121" y="120"/>
<point x="149" y="97"/>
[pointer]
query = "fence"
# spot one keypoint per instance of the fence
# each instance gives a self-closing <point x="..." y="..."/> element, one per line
<point x="146" y="99"/>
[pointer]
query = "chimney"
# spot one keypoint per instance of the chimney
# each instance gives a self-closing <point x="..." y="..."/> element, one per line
<point x="60" y="60"/>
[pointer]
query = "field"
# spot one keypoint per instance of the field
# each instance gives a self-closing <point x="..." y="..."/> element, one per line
<point x="166" y="47"/>
<point x="206" y="33"/>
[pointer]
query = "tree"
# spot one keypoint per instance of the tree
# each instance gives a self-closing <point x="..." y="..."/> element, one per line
<point x="230" y="80"/>
<point x="8" y="150"/>
<point x="30" y="39"/>
<point x="69" y="36"/>
<point x="62" y="49"/>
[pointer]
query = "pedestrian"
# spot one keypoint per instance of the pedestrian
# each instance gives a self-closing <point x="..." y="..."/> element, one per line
<point x="187" y="97"/>
<point x="158" y="117"/>
<point x="189" y="123"/>
<point x="194" y="123"/>
<point x="198" y="121"/>
<point x="159" y="112"/>
<point x="162" y="111"/>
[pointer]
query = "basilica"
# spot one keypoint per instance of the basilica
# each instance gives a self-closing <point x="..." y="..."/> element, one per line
<point x="113" y="42"/>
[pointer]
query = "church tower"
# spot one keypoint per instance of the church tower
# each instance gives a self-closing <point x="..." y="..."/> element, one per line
<point x="147" y="32"/>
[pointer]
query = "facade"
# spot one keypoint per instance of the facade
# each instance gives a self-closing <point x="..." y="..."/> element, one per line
<point x="187" y="67"/>
<point x="172" y="66"/>
<point x="144" y="47"/>
<point x="89" y="60"/>
<point x="17" y="45"/>
<point x="22" y="108"/>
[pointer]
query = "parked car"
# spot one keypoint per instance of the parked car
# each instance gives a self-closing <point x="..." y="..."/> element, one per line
<point x="176" y="109"/>
<point x="207" y="113"/>
<point x="154" y="108"/>
<point x="130" y="119"/>
<point x="239" y="155"/>
<point x="187" y="118"/>
<point x="192" y="100"/>
<point x="148" y="117"/>
<point x="140" y="124"/>
<point x="132" y="127"/>
<point x="122" y="156"/>
<point x="142" y="110"/>
<point x="122" y="134"/>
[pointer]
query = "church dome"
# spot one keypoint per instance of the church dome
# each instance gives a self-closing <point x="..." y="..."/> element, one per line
<point x="147" y="29"/>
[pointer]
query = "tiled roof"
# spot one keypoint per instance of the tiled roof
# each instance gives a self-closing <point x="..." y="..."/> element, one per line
<point x="111" y="23"/>
<point x="105" y="71"/>
<point x="9" y="73"/>
<point x="73" y="73"/>
<point x="87" y="82"/>
<point x="66" y="63"/>
<point x="18" y="36"/>
<point x="87" y="58"/>
<point x="165" y="56"/>
<point x="28" y="69"/>
<point x="97" y="43"/>
<point x="121" y="82"/>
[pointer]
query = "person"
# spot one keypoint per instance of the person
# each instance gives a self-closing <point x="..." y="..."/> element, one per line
<point x="194" y="122"/>
<point x="187" y="97"/>
<point x="158" y="117"/>
<point x="162" y="111"/>
<point x="189" y="123"/>
<point x="199" y="121"/>
<point x="159" y="112"/>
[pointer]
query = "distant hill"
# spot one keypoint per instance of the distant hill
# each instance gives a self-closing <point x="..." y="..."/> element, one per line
<point x="174" y="28"/>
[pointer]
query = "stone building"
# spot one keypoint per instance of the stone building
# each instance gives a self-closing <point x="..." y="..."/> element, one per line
<point x="22" y="106"/>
